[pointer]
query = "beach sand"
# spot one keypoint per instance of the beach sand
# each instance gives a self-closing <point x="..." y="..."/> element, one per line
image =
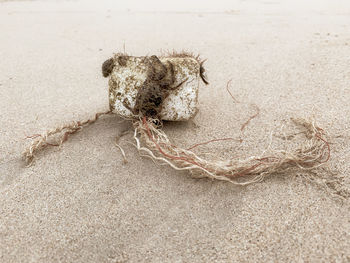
<point x="80" y="203"/>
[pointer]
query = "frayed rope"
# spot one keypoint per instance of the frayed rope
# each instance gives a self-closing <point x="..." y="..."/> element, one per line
<point x="41" y="141"/>
<point x="312" y="154"/>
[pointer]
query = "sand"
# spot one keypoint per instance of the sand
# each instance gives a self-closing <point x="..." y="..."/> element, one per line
<point x="80" y="203"/>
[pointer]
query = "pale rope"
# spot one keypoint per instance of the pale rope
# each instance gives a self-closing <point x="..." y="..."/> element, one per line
<point x="157" y="146"/>
<point x="42" y="140"/>
<point x="311" y="155"/>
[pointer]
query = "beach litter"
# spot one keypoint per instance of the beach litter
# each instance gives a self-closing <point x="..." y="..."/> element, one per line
<point x="148" y="90"/>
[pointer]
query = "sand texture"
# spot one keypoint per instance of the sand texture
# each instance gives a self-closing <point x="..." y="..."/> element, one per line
<point x="80" y="203"/>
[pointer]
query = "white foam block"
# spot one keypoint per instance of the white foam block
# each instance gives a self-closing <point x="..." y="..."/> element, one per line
<point x="126" y="80"/>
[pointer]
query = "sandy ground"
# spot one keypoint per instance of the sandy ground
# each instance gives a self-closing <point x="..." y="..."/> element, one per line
<point x="81" y="204"/>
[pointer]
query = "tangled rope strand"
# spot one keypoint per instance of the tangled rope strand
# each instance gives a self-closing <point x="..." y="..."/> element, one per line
<point x="313" y="153"/>
<point x="42" y="140"/>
